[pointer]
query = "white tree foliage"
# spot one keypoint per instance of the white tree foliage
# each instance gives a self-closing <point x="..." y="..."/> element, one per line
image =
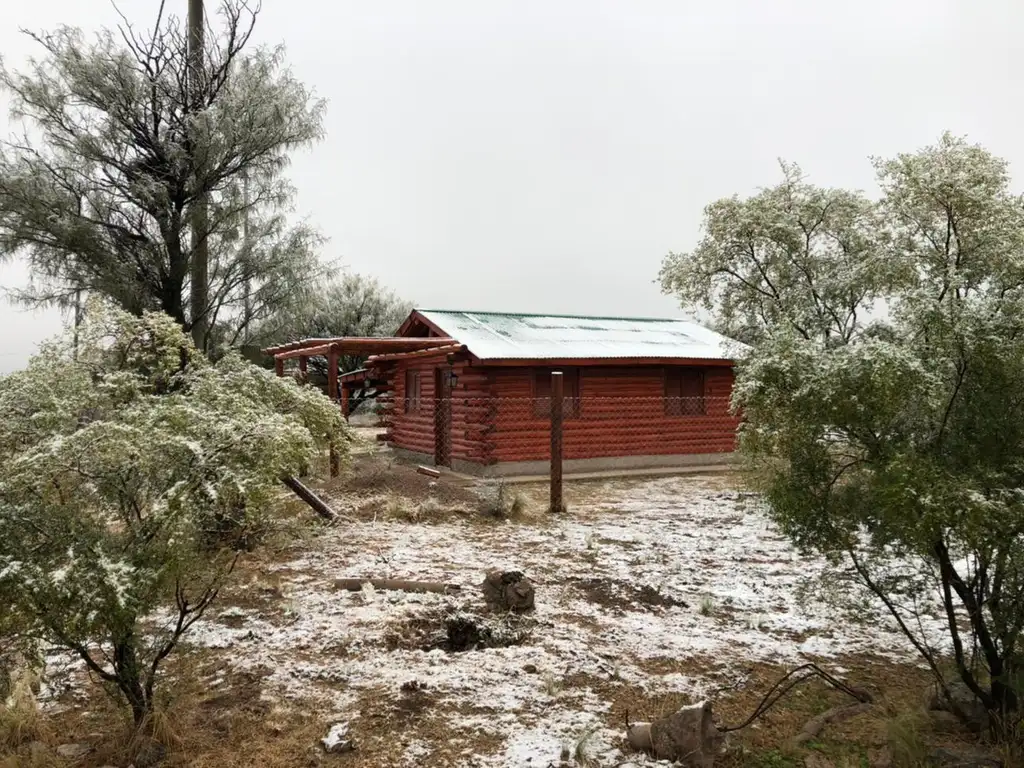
<point x="115" y="469"/>
<point x="895" y="448"/>
<point x="122" y="140"/>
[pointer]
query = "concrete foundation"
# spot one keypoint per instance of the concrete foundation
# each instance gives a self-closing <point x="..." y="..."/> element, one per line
<point x="609" y="466"/>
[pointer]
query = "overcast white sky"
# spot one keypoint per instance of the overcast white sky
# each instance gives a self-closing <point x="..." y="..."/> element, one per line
<point x="543" y="155"/>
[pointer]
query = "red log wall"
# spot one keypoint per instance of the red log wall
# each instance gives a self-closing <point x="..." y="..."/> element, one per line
<point x="621" y="413"/>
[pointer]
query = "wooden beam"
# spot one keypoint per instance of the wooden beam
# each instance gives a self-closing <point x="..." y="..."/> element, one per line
<point x="279" y="366"/>
<point x="443" y="351"/>
<point x="303" y="363"/>
<point x="356" y="345"/>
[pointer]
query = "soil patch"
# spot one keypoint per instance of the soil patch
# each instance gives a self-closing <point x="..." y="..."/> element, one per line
<point x="456" y="631"/>
<point x="624" y="596"/>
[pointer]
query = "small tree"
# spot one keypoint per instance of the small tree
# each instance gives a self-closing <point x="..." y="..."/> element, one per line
<point x="895" y="448"/>
<point x="113" y="468"/>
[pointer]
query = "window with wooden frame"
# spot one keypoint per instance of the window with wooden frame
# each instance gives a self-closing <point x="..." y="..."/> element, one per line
<point x="542" y="393"/>
<point x="684" y="392"/>
<point x="413" y="391"/>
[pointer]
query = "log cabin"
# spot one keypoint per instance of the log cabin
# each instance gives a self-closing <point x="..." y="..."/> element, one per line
<point x="472" y="390"/>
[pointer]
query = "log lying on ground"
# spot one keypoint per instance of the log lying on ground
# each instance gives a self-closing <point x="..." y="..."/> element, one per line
<point x="835" y="715"/>
<point x="428" y="471"/>
<point x="317" y="504"/>
<point x="398" y="585"/>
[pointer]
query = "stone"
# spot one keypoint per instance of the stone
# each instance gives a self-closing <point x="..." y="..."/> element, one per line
<point x="688" y="736"/>
<point x="73" y="751"/>
<point x="508" y="591"/>
<point x="336" y="741"/>
<point x="964" y="698"/>
<point x="530" y="669"/>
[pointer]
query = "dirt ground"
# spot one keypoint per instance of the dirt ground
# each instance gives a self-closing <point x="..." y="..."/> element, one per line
<point x="650" y="594"/>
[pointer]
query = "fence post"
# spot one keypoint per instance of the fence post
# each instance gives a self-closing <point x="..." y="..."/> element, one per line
<point x="279" y="366"/>
<point x="556" y="442"/>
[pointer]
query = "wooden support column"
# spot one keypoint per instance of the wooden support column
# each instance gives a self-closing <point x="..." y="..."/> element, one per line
<point x="279" y="366"/>
<point x="344" y="401"/>
<point x="332" y="392"/>
<point x="557" y="390"/>
<point x="303" y="366"/>
<point x="332" y="374"/>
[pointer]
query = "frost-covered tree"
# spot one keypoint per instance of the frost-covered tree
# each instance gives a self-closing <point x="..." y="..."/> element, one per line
<point x="116" y="467"/>
<point x="123" y="140"/>
<point x="352" y="305"/>
<point x="897" y="449"/>
<point x="794" y="257"/>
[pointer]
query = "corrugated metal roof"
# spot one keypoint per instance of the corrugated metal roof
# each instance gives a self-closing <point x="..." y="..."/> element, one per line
<point x="500" y="336"/>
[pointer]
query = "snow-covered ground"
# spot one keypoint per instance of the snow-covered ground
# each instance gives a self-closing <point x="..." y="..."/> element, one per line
<point x="639" y="576"/>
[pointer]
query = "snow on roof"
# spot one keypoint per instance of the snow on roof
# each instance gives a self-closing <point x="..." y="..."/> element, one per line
<point x="501" y="336"/>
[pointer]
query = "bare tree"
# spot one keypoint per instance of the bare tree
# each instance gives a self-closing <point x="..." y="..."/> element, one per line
<point x="124" y="142"/>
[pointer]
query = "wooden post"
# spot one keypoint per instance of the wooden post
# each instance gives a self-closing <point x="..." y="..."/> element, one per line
<point x="279" y="366"/>
<point x="332" y="392"/>
<point x="332" y="374"/>
<point x="344" y="402"/>
<point x="556" y="442"/>
<point x="303" y="365"/>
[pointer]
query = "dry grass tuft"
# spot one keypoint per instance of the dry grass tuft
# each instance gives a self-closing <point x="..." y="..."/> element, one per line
<point x="905" y="732"/>
<point x="503" y="502"/>
<point x="21" y="722"/>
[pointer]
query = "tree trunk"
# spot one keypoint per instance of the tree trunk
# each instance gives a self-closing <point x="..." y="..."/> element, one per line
<point x="129" y="679"/>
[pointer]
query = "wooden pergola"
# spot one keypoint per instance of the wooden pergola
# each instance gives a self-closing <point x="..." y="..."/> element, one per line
<point x="334" y="348"/>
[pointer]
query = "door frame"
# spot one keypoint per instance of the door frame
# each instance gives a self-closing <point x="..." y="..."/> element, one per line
<point x="442" y="418"/>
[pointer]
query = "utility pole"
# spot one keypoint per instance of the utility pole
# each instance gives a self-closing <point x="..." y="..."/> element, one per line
<point x="247" y="261"/>
<point x="199" y="267"/>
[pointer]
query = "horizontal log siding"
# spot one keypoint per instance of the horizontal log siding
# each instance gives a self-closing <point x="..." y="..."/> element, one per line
<point x="621" y="413"/>
<point x="472" y="410"/>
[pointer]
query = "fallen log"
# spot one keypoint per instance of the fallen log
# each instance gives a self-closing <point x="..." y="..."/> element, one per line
<point x="317" y="504"/>
<point x="835" y="715"/>
<point x="398" y="585"/>
<point x="429" y="472"/>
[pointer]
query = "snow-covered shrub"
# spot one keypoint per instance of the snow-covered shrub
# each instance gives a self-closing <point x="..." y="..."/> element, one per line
<point x="115" y="463"/>
<point x="883" y="399"/>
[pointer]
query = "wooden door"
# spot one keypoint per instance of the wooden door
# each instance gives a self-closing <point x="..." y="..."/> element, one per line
<point x="442" y="418"/>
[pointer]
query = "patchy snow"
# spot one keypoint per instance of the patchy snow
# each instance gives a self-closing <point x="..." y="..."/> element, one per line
<point x="719" y="583"/>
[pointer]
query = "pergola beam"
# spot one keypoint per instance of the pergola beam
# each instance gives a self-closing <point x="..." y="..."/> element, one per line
<point x="354" y="345"/>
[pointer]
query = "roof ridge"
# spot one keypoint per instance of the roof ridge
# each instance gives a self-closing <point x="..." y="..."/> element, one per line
<point x="559" y="316"/>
